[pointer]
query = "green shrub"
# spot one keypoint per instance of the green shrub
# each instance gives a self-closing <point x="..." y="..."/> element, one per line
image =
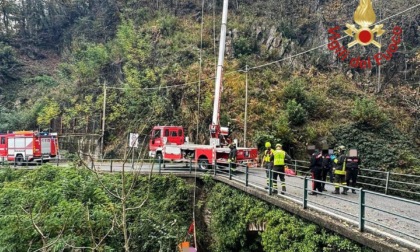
<point x="42" y="81"/>
<point x="295" y="90"/>
<point x="287" y="30"/>
<point x="168" y="25"/>
<point x="310" y="134"/>
<point x="244" y="46"/>
<point x="315" y="103"/>
<point x="367" y="112"/>
<point x="282" y="128"/>
<point x="381" y="149"/>
<point x="262" y="137"/>
<point x="296" y="113"/>
<point x="9" y="64"/>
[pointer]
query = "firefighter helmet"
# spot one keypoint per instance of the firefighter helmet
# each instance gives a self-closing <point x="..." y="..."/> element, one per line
<point x="267" y="145"/>
<point x="341" y="148"/>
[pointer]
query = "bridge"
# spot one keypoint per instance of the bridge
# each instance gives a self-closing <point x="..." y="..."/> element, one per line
<point x="371" y="218"/>
<point x="376" y="220"/>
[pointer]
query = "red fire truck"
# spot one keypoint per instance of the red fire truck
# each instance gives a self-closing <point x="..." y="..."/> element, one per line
<point x="168" y="142"/>
<point x="28" y="146"/>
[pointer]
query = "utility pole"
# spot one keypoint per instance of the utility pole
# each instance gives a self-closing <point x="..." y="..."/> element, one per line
<point x="103" y="122"/>
<point x="246" y="102"/>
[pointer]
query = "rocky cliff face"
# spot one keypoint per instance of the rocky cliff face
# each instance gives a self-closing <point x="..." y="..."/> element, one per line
<point x="282" y="29"/>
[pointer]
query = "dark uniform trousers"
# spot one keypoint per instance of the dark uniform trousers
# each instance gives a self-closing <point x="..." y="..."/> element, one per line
<point x="268" y="168"/>
<point x="317" y="175"/>
<point x="278" y="172"/>
<point x="351" y="175"/>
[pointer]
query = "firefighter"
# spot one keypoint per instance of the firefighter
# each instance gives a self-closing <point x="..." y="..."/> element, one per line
<point x="327" y="165"/>
<point x="316" y="171"/>
<point x="352" y="170"/>
<point x="232" y="156"/>
<point x="340" y="171"/>
<point x="279" y="157"/>
<point x="267" y="162"/>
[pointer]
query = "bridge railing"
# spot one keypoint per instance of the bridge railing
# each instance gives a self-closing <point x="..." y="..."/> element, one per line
<point x="385" y="215"/>
<point x="397" y="184"/>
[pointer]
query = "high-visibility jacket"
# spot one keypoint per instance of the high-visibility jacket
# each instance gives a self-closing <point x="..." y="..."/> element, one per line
<point x="268" y="154"/>
<point x="341" y="165"/>
<point x="279" y="156"/>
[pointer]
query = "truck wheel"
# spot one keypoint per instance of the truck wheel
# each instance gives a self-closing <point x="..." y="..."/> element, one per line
<point x="203" y="163"/>
<point x="19" y="160"/>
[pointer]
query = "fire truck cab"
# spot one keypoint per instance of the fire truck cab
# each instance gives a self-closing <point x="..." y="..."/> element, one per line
<point x="164" y="135"/>
<point x="3" y="147"/>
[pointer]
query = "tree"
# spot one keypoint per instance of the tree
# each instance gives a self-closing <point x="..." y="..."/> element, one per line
<point x="9" y="64"/>
<point x="296" y="113"/>
<point x="45" y="209"/>
<point x="48" y="113"/>
<point x="134" y="225"/>
<point x="67" y="208"/>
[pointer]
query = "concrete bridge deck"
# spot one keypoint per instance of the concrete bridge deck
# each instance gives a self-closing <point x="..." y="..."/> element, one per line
<point x="390" y="223"/>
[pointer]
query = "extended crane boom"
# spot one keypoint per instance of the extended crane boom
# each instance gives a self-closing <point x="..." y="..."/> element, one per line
<point x="215" y="126"/>
<point x="168" y="142"/>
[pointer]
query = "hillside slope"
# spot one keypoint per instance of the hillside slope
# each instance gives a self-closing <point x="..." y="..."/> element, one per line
<point x="148" y="55"/>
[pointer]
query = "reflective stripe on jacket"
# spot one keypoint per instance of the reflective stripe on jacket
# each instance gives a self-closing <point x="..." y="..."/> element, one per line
<point x="341" y="168"/>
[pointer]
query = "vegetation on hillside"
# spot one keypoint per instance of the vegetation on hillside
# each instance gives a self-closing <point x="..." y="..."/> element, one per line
<point x="68" y="209"/>
<point x="57" y="57"/>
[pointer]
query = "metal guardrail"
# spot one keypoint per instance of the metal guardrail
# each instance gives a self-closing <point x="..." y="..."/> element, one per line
<point x="398" y="184"/>
<point x="404" y="185"/>
<point x="363" y="206"/>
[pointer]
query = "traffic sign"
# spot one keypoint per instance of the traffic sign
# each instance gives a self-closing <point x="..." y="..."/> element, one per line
<point x="134" y="140"/>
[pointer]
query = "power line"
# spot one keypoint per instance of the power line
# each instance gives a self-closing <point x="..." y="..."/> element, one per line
<point x="263" y="65"/>
<point x="173" y="86"/>
<point x="399" y="13"/>
<point x="316" y="48"/>
<point x="155" y="88"/>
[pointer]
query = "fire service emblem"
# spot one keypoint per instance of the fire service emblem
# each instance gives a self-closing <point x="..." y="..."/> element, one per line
<point x="364" y="35"/>
<point x="364" y="16"/>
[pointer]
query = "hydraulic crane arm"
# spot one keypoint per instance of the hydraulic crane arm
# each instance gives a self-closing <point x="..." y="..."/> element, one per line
<point x="215" y="125"/>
